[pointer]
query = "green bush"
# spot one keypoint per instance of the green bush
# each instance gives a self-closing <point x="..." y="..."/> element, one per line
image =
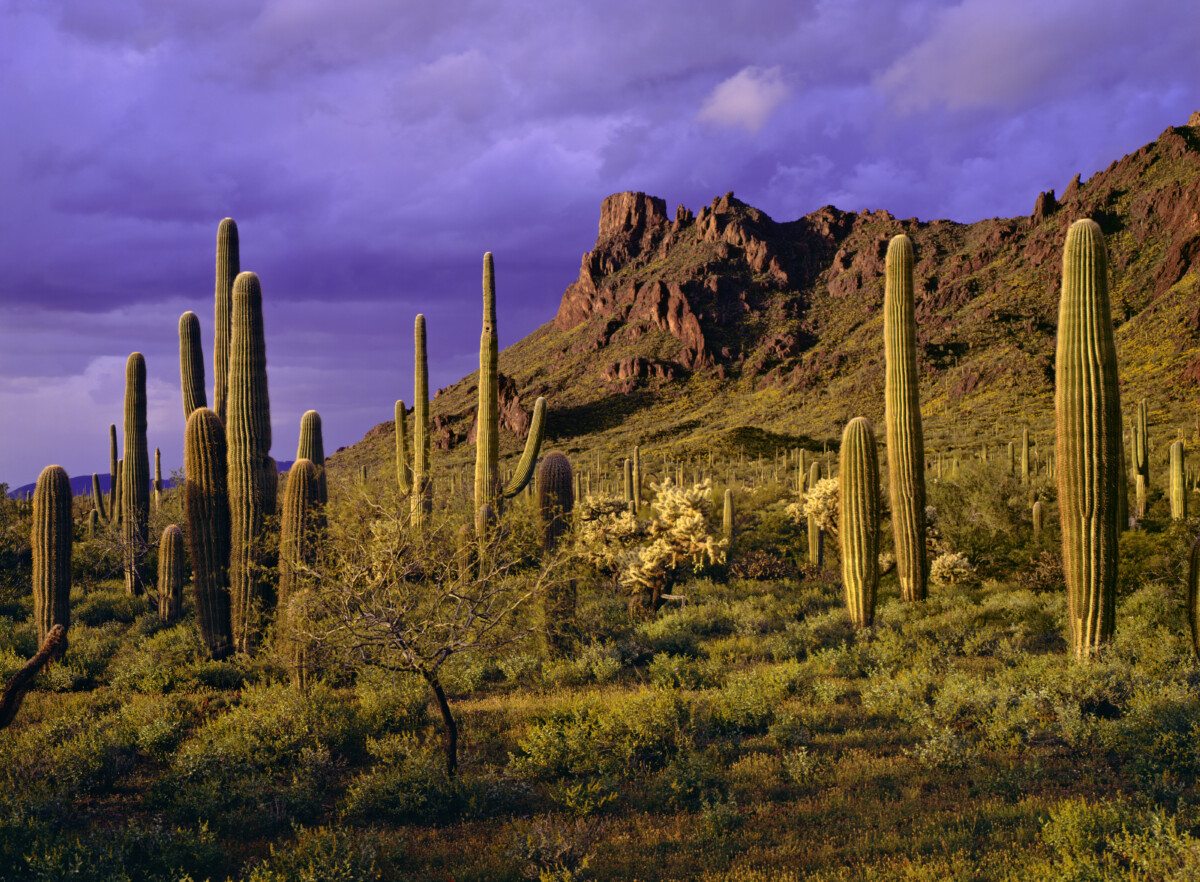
<point x="406" y="782"/>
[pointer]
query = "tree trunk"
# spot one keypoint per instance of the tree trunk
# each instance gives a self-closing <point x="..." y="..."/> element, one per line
<point x="448" y="719"/>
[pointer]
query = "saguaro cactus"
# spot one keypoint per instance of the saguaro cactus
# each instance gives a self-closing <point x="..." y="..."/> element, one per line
<point x="312" y="448"/>
<point x="555" y="501"/>
<point x="1141" y="441"/>
<point x="1024" y="456"/>
<point x="1087" y="407"/>
<point x="627" y="482"/>
<point x="206" y="506"/>
<point x="191" y="363"/>
<point x="902" y="413"/>
<point x="228" y="266"/>
<point x="816" y="536"/>
<point x="637" y="478"/>
<point x="1038" y="521"/>
<point x="858" y="520"/>
<point x="403" y="471"/>
<point x="297" y="544"/>
<point x="727" y="516"/>
<point x="248" y="435"/>
<point x="1178" y="483"/>
<point x="1193" y="595"/>
<point x="98" y="499"/>
<point x="170" y="574"/>
<point x="114" y="477"/>
<point x="488" y="488"/>
<point x="158" y="484"/>
<point x="422" y="499"/>
<point x="135" y="476"/>
<point x="51" y="547"/>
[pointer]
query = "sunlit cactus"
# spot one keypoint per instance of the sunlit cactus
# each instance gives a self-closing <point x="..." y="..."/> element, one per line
<point x="191" y="364"/>
<point x="248" y="435"/>
<point x="403" y="470"/>
<point x="816" y="536"/>
<point x="98" y="499"/>
<point x="228" y="267"/>
<point x="298" y="533"/>
<point x="637" y="478"/>
<point x="858" y="520"/>
<point x="422" y="498"/>
<point x="1024" y="456"/>
<point x="135" y="476"/>
<point x="312" y="448"/>
<point x="170" y="574"/>
<point x="555" y="498"/>
<point x="902" y="414"/>
<point x="114" y="478"/>
<point x="206" y="507"/>
<point x="158" y="482"/>
<point x="1038" y="520"/>
<point x="50" y="543"/>
<point x="1178" y="483"/>
<point x="1087" y="407"/>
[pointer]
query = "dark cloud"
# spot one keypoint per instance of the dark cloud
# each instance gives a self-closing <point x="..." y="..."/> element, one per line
<point x="372" y="151"/>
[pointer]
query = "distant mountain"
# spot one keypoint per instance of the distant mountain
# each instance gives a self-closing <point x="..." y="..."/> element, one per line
<point x="81" y="485"/>
<point x="729" y="327"/>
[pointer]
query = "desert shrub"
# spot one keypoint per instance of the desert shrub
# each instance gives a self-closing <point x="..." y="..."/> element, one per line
<point x="685" y="672"/>
<point x="554" y="848"/>
<point x="984" y="515"/>
<point x="406" y="782"/>
<point x="951" y="568"/>
<point x="680" y="631"/>
<point x="102" y="607"/>
<point x="691" y="776"/>
<point x="325" y="854"/>
<point x="160" y="662"/>
<point x="594" y="663"/>
<point x="389" y="702"/>
<point x="760" y="564"/>
<point x="88" y="656"/>
<point x="747" y="703"/>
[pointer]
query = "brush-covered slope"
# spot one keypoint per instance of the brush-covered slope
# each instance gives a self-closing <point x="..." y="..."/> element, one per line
<point x="729" y="328"/>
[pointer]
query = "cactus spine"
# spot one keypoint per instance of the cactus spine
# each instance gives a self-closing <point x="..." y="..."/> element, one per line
<point x="312" y="448"/>
<point x="422" y="499"/>
<point x="1087" y="407"/>
<point x="1178" y="484"/>
<point x="228" y="266"/>
<point x="858" y="520"/>
<point x="248" y="435"/>
<point x="403" y="472"/>
<point x="206" y="507"/>
<point x="902" y="410"/>
<point x="170" y="574"/>
<point x="135" y="476"/>
<point x="191" y="363"/>
<point x="488" y="488"/>
<point x="51" y="547"/>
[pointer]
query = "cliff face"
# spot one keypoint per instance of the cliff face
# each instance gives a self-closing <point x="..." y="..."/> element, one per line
<point x="747" y="321"/>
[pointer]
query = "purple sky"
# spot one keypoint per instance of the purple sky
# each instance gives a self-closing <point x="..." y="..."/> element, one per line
<point x="372" y="151"/>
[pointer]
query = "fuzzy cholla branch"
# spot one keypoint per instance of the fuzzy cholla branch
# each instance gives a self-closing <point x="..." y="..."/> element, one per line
<point x="605" y="532"/>
<point x="680" y="535"/>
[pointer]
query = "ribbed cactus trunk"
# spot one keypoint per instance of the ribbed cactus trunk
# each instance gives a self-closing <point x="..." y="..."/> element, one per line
<point x="1178" y="483"/>
<point x="98" y="499"/>
<point x="637" y="478"/>
<point x="1024" y="456"/>
<point x="248" y="435"/>
<point x="118" y="504"/>
<point x="858" y="520"/>
<point x="206" y="507"/>
<point x="50" y="539"/>
<point x="403" y="470"/>
<point x="228" y="266"/>
<point x="299" y="523"/>
<point x="93" y="522"/>
<point x="902" y="414"/>
<point x="555" y="502"/>
<point x="270" y="486"/>
<point x="312" y="448"/>
<point x="158" y="484"/>
<point x="1193" y="595"/>
<point x="1038" y="521"/>
<point x="191" y="364"/>
<point x="170" y="574"/>
<point x="487" y="429"/>
<point x="816" y="536"/>
<point x="135" y="476"/>
<point x="727" y="516"/>
<point x="422" y="497"/>
<point x="1012" y="458"/>
<point x="1087" y="405"/>
<point x="114" y="477"/>
<point x="1141" y="441"/>
<point x="627" y="482"/>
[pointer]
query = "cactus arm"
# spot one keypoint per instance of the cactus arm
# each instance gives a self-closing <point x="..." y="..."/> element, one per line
<point x="191" y="364"/>
<point x="403" y="472"/>
<point x="228" y="267"/>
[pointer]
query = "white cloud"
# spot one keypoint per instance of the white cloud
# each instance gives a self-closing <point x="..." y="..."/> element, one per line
<point x="746" y="99"/>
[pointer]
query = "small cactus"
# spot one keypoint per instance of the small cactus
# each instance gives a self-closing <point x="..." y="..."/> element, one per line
<point x="1024" y="456"/>
<point x="170" y="574"/>
<point x="637" y="478"/>
<point x="158" y="484"/>
<point x="555" y="501"/>
<point x="51" y="550"/>
<point x="858" y="520"/>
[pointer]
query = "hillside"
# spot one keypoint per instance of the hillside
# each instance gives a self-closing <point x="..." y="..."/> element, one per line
<point x="729" y="328"/>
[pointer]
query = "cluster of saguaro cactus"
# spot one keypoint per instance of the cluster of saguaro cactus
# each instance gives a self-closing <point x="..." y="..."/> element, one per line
<point x="248" y="436"/>
<point x="206" y="506"/>
<point x="902" y="413"/>
<point x="1087" y="408"/>
<point x="51" y="547"/>
<point x="489" y="491"/>
<point x="858" y="520"/>
<point x="135" y="476"/>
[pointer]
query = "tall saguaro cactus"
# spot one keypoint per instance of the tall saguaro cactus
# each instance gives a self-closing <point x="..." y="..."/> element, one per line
<point x="191" y="363"/>
<point x="902" y="413"/>
<point x="114" y="483"/>
<point x="422" y="499"/>
<point x="206" y="507"/>
<point x="248" y="434"/>
<point x="488" y="488"/>
<point x="229" y="264"/>
<point x="170" y="574"/>
<point x="135" y="476"/>
<point x="858" y="520"/>
<point x="1179" y="488"/>
<point x="299" y="522"/>
<point x="1087" y="408"/>
<point x="312" y="448"/>
<point x="555" y="502"/>
<point x="403" y="470"/>
<point x="51" y="547"/>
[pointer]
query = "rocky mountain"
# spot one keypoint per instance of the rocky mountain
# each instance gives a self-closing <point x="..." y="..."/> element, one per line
<point x="730" y="327"/>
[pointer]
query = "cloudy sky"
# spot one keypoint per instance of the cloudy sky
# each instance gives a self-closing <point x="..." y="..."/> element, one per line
<point x="372" y="151"/>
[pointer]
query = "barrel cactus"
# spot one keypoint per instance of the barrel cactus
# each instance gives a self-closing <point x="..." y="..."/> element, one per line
<point x="902" y="414"/>
<point x="206" y="507"/>
<point x="1087" y="408"/>
<point x="51" y="550"/>
<point x="170" y="574"/>
<point x="858" y="520"/>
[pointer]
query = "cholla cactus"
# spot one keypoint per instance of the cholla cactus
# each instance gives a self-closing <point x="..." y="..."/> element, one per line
<point x="605" y="531"/>
<point x="951" y="568"/>
<point x="821" y="504"/>
<point x="680" y="534"/>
